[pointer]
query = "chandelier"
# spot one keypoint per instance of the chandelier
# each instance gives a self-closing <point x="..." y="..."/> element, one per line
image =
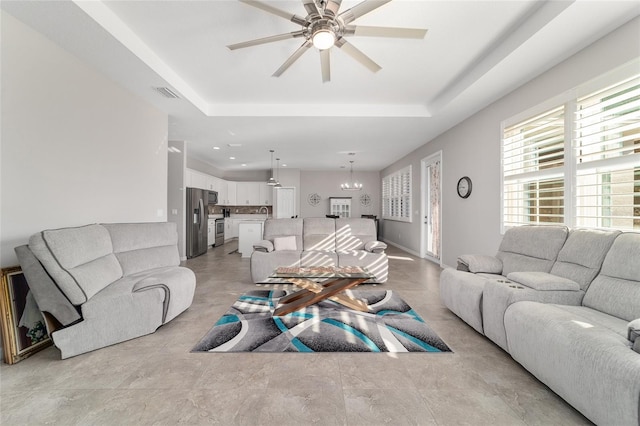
<point x="351" y="185"/>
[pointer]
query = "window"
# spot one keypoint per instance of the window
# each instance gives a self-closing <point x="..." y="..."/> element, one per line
<point x="533" y="160"/>
<point x="396" y="195"/>
<point x="576" y="163"/>
<point x="607" y="151"/>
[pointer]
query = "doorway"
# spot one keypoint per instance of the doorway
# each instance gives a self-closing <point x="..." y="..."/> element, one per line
<point x="431" y="246"/>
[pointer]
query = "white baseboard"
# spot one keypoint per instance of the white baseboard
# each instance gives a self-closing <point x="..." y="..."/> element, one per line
<point x="408" y="250"/>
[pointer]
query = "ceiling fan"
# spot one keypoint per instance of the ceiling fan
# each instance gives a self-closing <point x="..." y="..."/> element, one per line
<point x="324" y="27"/>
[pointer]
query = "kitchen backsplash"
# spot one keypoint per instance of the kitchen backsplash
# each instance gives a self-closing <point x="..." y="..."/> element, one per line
<point x="240" y="209"/>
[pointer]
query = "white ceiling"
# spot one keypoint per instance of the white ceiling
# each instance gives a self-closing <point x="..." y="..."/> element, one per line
<point x="473" y="53"/>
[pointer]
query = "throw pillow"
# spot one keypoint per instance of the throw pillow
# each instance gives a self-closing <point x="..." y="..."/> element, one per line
<point x="285" y="243"/>
<point x="375" y="246"/>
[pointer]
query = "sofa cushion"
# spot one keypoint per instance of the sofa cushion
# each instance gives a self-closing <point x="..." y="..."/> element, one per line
<point x="581" y="355"/>
<point x="319" y="234"/>
<point x="353" y="234"/>
<point x="616" y="290"/>
<point x="144" y="246"/>
<point x="80" y="260"/>
<point x="285" y="243"/>
<point x="479" y="263"/>
<point x="582" y="255"/>
<point x="531" y="248"/>
<point x="283" y="228"/>
<point x="543" y="281"/>
<point x="318" y="258"/>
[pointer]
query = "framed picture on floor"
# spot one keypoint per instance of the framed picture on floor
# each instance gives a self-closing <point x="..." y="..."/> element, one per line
<point x="23" y="327"/>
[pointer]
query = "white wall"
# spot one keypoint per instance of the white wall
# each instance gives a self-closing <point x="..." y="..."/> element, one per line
<point x="327" y="184"/>
<point x="472" y="148"/>
<point x="76" y="148"/>
<point x="176" y="194"/>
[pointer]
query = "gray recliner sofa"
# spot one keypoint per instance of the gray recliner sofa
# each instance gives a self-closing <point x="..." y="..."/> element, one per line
<point x="576" y="327"/>
<point x="319" y="242"/>
<point x="103" y="284"/>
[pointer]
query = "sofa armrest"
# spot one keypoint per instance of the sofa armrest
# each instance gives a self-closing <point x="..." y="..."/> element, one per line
<point x="633" y="334"/>
<point x="542" y="281"/>
<point x="479" y="263"/>
<point x="375" y="246"/>
<point x="265" y="246"/>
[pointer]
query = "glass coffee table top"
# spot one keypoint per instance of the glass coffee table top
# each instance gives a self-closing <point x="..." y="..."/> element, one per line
<point x="322" y="272"/>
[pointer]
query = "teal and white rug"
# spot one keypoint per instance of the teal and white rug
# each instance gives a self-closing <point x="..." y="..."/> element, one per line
<point x="391" y="325"/>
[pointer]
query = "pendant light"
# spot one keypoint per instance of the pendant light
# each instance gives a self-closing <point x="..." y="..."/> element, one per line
<point x="277" y="185"/>
<point x="351" y="185"/>
<point x="271" y="181"/>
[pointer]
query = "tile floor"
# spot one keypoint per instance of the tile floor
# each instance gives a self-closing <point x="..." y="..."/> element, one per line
<point x="155" y="380"/>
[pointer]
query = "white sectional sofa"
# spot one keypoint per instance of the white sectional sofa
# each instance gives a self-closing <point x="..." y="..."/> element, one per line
<point x="104" y="284"/>
<point x="571" y="318"/>
<point x="319" y="241"/>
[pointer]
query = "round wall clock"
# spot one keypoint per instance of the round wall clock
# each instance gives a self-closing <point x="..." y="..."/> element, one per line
<point x="464" y="187"/>
<point x="313" y="199"/>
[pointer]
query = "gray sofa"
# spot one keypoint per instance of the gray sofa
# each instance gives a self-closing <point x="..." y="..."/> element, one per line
<point x="567" y="310"/>
<point x="103" y="284"/>
<point x="319" y="242"/>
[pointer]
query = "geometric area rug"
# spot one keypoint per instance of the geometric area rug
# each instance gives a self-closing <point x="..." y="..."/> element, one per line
<point x="390" y="325"/>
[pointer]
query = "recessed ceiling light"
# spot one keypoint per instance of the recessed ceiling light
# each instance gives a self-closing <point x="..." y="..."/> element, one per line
<point x="234" y="145"/>
<point x="232" y="158"/>
<point x="243" y="165"/>
<point x="284" y="165"/>
<point x="216" y="147"/>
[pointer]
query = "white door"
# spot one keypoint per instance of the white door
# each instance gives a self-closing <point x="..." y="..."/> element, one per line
<point x="432" y="207"/>
<point x="285" y="202"/>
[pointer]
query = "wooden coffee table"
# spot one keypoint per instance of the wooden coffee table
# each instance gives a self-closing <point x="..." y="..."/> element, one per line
<point x="335" y="280"/>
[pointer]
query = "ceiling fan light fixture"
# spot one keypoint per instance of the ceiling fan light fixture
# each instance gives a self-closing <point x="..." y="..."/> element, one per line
<point x="323" y="38"/>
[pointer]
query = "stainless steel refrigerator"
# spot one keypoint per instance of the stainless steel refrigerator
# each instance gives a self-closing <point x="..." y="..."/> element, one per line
<point x="197" y="221"/>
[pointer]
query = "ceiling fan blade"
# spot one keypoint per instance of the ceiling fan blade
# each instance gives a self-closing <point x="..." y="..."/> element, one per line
<point x="305" y="46"/>
<point x="264" y="40"/>
<point x="365" y="31"/>
<point x="356" y="54"/>
<point x="332" y="7"/>
<point x="311" y="7"/>
<point x="361" y="9"/>
<point x="325" y="65"/>
<point x="275" y="11"/>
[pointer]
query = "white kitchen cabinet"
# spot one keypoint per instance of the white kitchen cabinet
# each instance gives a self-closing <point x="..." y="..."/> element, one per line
<point x="266" y="194"/>
<point x="248" y="194"/>
<point x="195" y="179"/>
<point x="231" y="228"/>
<point x="231" y="194"/>
<point x="212" y="183"/>
<point x="211" y="232"/>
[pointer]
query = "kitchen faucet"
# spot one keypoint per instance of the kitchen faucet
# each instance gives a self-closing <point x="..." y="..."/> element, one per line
<point x="266" y="211"/>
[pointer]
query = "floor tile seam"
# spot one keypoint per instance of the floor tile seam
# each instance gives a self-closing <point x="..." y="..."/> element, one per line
<point x="513" y="413"/>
